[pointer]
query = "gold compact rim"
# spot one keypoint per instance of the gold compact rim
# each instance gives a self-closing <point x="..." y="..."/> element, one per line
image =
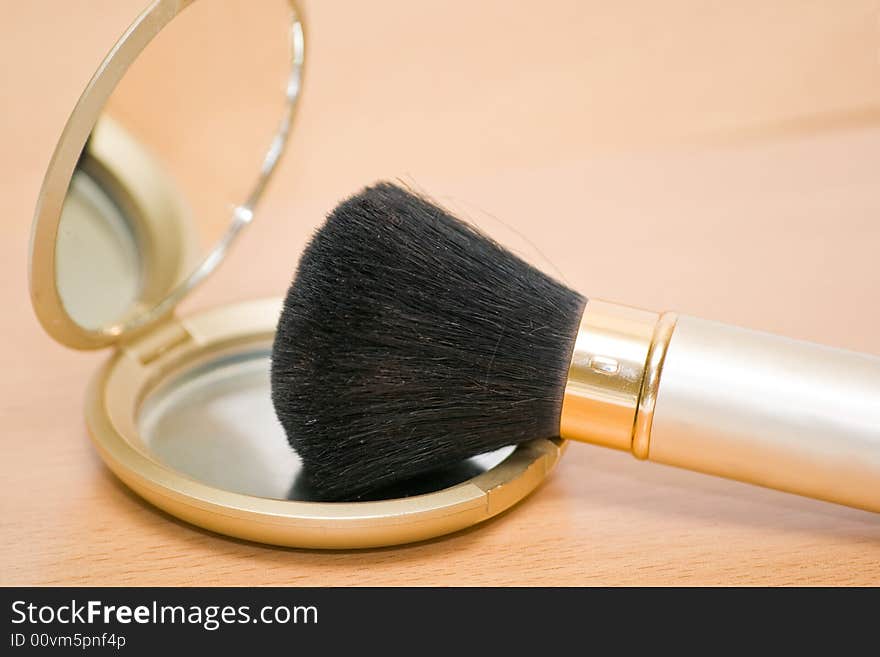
<point x="119" y="388"/>
<point x="85" y="116"/>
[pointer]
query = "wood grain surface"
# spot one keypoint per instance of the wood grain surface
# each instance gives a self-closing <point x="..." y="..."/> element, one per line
<point x="650" y="156"/>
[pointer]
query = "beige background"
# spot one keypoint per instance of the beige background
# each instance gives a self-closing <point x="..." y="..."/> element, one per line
<point x="720" y="159"/>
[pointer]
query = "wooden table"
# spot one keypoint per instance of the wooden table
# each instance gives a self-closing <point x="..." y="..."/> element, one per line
<point x="737" y="184"/>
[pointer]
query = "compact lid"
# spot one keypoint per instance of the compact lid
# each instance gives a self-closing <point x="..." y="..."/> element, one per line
<point x="125" y="226"/>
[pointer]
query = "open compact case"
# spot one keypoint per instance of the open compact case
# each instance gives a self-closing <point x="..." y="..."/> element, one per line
<point x="181" y="412"/>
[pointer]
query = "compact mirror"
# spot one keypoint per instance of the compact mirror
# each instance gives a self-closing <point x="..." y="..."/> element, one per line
<point x="162" y="163"/>
<point x="160" y="166"/>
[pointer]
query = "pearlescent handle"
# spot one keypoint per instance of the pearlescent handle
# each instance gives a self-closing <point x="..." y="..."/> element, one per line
<point x="769" y="410"/>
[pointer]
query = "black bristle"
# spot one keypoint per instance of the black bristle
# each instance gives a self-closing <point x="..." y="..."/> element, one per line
<point x="410" y="341"/>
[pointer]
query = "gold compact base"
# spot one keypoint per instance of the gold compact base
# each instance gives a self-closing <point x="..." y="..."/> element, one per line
<point x="139" y="367"/>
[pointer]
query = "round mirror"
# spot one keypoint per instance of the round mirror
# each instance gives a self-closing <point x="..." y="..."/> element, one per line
<point x="215" y="424"/>
<point x="162" y="163"/>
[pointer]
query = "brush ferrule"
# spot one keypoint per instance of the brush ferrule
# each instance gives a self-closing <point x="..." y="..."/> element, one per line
<point x="614" y="376"/>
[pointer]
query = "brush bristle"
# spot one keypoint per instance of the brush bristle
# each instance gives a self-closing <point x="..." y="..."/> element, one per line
<point x="410" y="341"/>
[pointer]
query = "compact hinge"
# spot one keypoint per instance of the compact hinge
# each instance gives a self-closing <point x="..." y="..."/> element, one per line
<point x="160" y="340"/>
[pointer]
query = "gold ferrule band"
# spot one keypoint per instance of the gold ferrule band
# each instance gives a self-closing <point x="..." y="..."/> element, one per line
<point x="614" y="376"/>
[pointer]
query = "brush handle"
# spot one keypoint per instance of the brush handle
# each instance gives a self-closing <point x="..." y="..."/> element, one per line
<point x="728" y="401"/>
<point x="769" y="410"/>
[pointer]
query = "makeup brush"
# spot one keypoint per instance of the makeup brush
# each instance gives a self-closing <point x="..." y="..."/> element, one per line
<point x="410" y="341"/>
